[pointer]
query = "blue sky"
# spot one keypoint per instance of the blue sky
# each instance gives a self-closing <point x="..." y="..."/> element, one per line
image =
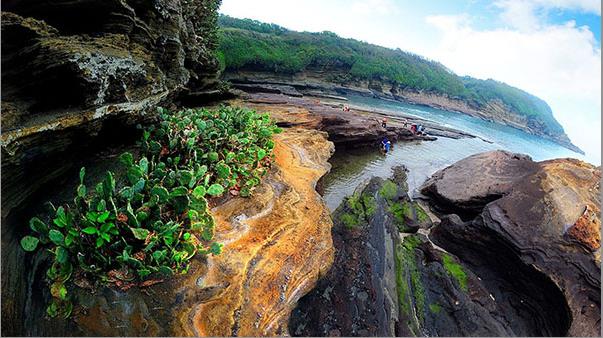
<point x="550" y="48"/>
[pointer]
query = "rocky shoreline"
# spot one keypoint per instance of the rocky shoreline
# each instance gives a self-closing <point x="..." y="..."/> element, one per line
<point x="313" y="84"/>
<point x="357" y="127"/>
<point x="498" y="244"/>
<point x="524" y="259"/>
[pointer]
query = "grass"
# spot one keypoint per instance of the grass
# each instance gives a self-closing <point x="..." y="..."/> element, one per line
<point x="455" y="270"/>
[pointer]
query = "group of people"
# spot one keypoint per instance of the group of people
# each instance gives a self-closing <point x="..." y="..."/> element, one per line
<point x="417" y="129"/>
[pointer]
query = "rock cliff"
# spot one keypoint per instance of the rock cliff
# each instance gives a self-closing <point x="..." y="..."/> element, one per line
<point x="77" y="76"/>
<point x="525" y="261"/>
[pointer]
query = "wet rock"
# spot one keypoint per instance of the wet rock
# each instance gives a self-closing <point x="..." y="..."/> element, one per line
<point x="381" y="285"/>
<point x="439" y="296"/>
<point x="537" y="248"/>
<point x="357" y="297"/>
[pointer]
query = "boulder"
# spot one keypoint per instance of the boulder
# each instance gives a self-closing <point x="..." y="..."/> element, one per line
<point x="536" y="247"/>
<point x="468" y="185"/>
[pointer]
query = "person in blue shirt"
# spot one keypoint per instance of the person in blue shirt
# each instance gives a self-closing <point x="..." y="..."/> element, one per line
<point x="385" y="145"/>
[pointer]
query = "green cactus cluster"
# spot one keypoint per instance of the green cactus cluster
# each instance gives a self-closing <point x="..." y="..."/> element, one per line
<point x="147" y="220"/>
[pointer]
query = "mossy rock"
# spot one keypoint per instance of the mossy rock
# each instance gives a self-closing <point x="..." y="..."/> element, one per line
<point x="411" y="292"/>
<point x="455" y="270"/>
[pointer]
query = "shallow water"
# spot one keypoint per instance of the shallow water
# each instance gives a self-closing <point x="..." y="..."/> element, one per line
<point x="353" y="166"/>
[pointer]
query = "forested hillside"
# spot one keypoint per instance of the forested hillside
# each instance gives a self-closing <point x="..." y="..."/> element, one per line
<point x="251" y="45"/>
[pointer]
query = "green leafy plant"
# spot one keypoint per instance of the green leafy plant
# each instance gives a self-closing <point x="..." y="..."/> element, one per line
<point x="146" y="221"/>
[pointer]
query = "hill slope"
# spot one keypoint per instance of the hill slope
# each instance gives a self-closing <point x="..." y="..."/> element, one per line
<point x="251" y="46"/>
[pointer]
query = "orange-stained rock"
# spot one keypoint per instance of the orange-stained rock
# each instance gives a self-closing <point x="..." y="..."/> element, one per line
<point x="587" y="229"/>
<point x="276" y="245"/>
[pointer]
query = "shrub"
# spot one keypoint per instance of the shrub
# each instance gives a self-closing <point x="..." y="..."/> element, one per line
<point x="148" y="220"/>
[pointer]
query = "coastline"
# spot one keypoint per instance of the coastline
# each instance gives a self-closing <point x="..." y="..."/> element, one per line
<point x="314" y="85"/>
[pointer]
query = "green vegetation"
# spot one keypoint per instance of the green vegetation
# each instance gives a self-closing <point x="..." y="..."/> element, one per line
<point x="401" y="211"/>
<point x="350" y="220"/>
<point x="535" y="109"/>
<point x="360" y="206"/>
<point x="435" y="308"/>
<point x="455" y="270"/>
<point x="252" y="45"/>
<point x="149" y="219"/>
<point x="389" y="190"/>
<point x="421" y="214"/>
<point x="411" y="292"/>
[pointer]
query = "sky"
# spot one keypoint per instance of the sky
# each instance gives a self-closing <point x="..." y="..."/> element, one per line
<point x="550" y="48"/>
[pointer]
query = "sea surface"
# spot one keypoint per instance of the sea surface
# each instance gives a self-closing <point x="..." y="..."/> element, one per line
<point x="350" y="167"/>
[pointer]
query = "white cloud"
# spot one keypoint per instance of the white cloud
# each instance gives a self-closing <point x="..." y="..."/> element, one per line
<point x="559" y="63"/>
<point x="529" y="14"/>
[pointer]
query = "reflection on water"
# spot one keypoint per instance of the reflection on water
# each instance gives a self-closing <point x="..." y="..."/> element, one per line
<point x="353" y="166"/>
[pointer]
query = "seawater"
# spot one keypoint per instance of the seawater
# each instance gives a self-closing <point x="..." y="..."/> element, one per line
<point x="350" y="167"/>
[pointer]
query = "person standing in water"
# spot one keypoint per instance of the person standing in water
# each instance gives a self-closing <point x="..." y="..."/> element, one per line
<point x="385" y="145"/>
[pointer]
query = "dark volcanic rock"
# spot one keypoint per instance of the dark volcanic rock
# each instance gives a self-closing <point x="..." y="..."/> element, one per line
<point x="381" y="285"/>
<point x="468" y="185"/>
<point x="537" y="248"/>
<point x="357" y="297"/>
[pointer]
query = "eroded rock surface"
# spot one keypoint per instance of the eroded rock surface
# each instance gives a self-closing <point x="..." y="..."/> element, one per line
<point x="276" y="245"/>
<point x="358" y="295"/>
<point x="387" y="282"/>
<point x="537" y="247"/>
<point x="77" y="76"/>
<point x="468" y="185"/>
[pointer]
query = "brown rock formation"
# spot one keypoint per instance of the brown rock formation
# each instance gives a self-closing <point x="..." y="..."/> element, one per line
<point x="277" y="245"/>
<point x="537" y="238"/>
<point x="352" y="128"/>
<point x="492" y="174"/>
